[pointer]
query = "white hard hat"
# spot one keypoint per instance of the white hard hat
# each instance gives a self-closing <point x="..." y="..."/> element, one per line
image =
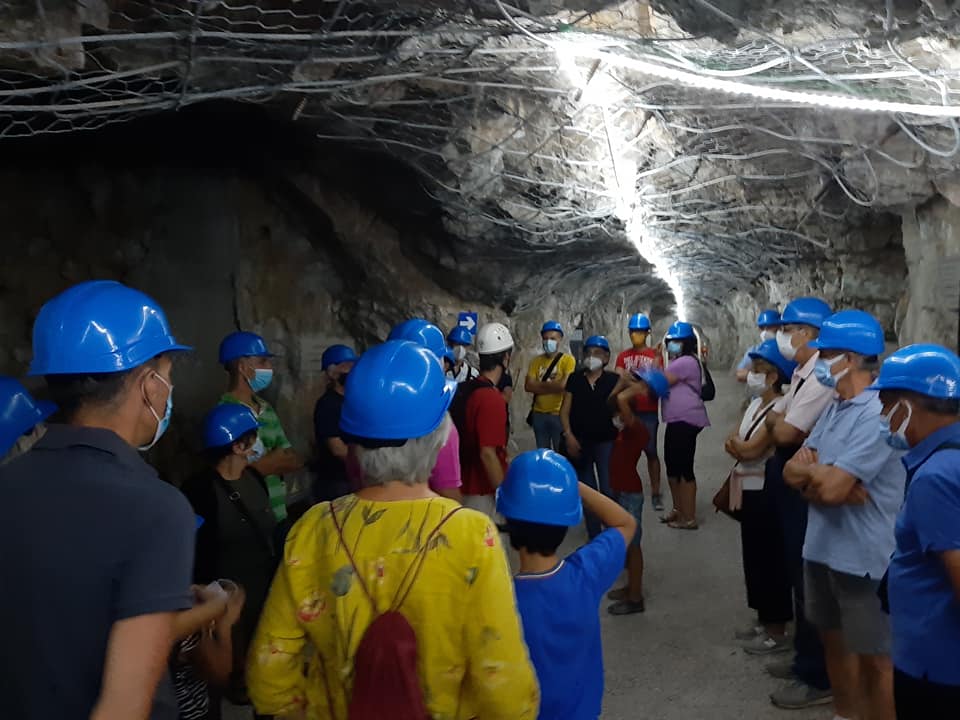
<point x="493" y="338"/>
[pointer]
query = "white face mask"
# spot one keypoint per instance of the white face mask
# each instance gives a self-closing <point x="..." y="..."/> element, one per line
<point x="756" y="384"/>
<point x="785" y="345"/>
<point x="767" y="335"/>
<point x="459" y="352"/>
<point x="256" y="451"/>
<point x="593" y="363"/>
<point x="550" y="346"/>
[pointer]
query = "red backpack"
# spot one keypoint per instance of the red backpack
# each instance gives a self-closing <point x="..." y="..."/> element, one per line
<point x="385" y="680"/>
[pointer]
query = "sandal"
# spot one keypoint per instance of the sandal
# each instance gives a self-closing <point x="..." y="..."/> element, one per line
<point x="627" y="607"/>
<point x="683" y="525"/>
<point x="670" y="517"/>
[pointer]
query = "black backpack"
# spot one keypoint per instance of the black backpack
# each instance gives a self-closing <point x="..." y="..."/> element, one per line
<point x="708" y="391"/>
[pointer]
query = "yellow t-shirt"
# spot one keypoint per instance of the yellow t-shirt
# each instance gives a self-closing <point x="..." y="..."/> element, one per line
<point x="538" y="366"/>
<point x="473" y="660"/>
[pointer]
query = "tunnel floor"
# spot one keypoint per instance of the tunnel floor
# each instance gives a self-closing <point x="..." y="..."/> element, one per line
<point x="679" y="660"/>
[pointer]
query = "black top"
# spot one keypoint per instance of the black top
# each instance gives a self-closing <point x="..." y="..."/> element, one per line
<point x="591" y="419"/>
<point x="91" y="535"/>
<point x="331" y="481"/>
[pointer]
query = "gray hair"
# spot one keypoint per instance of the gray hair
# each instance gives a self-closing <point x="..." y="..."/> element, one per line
<point x="411" y="463"/>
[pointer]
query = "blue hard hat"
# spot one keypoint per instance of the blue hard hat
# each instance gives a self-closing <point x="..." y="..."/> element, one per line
<point x="396" y="391"/>
<point x="851" y="330"/>
<point x="242" y="344"/>
<point x="680" y="331"/>
<point x="655" y="379"/>
<point x="336" y="354"/>
<point x="423" y="333"/>
<point x="19" y="412"/>
<point x="929" y="370"/>
<point x="541" y="487"/>
<point x="227" y="423"/>
<point x="551" y="325"/>
<point x="597" y="341"/>
<point x="769" y="350"/>
<point x="460" y="336"/>
<point x="638" y="321"/>
<point x="768" y="318"/>
<point x="806" y="311"/>
<point x="99" y="326"/>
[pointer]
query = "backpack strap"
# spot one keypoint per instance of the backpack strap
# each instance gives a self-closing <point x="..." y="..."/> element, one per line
<point x="405" y="584"/>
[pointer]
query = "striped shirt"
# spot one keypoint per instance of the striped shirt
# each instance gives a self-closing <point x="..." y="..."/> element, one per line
<point x="192" y="698"/>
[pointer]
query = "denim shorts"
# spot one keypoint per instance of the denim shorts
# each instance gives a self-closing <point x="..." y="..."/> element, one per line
<point x="633" y="504"/>
<point x="652" y="422"/>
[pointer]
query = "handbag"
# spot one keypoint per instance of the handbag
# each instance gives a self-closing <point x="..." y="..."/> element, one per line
<point x="550" y="369"/>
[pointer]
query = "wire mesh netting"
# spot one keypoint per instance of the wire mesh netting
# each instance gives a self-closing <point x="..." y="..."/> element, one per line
<point x="553" y="126"/>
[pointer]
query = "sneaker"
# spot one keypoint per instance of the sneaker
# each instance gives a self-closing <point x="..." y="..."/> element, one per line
<point x="657" y="501"/>
<point x="798" y="695"/>
<point x="767" y="645"/>
<point x="749" y="633"/>
<point x="781" y="670"/>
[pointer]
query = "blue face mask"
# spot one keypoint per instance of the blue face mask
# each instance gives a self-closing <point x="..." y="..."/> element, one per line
<point x="550" y="346"/>
<point x="162" y="422"/>
<point x="674" y="348"/>
<point x="822" y="371"/>
<point x="896" y="439"/>
<point x="261" y="379"/>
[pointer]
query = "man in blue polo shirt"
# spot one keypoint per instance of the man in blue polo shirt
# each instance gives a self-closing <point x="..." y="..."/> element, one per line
<point x="104" y="547"/>
<point x="854" y="482"/>
<point x="920" y="391"/>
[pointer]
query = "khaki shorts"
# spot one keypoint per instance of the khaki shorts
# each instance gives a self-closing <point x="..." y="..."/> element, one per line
<point x="839" y="601"/>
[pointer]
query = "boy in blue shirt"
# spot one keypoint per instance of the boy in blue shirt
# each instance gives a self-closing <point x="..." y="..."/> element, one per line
<point x="558" y="599"/>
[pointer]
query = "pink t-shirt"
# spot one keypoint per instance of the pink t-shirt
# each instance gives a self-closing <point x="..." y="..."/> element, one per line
<point x="446" y="473"/>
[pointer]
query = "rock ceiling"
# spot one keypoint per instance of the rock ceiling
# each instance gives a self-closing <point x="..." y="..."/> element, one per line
<point x="718" y="141"/>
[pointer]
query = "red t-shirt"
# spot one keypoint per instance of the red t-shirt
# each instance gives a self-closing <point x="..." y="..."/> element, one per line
<point x="626" y="454"/>
<point x="486" y="426"/>
<point x="633" y="359"/>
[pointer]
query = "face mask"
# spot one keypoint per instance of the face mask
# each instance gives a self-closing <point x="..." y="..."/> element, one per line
<point x="674" y="348"/>
<point x="756" y="384"/>
<point x="823" y="373"/>
<point x="897" y="440"/>
<point x="785" y="345"/>
<point x="261" y="379"/>
<point x="593" y="363"/>
<point x="767" y="335"/>
<point x="550" y="346"/>
<point x="638" y="339"/>
<point x="459" y="352"/>
<point x="162" y="422"/>
<point x="256" y="451"/>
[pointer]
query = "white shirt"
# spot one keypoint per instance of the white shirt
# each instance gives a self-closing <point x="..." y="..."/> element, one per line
<point x="752" y="472"/>
<point x="467" y="372"/>
<point x="807" y="399"/>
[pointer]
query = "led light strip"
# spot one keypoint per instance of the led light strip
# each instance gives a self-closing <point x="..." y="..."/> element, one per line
<point x="835" y="102"/>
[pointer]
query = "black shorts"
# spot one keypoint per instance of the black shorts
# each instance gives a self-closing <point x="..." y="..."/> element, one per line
<point x="679" y="449"/>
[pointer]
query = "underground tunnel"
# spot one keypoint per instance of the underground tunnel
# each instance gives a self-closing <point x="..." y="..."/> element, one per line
<point x="318" y="170"/>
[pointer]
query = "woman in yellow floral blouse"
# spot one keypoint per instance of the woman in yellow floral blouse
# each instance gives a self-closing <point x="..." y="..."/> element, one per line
<point x="472" y="659"/>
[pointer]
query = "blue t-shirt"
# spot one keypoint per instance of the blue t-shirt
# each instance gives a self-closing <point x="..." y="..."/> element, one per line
<point x="924" y="610"/>
<point x="102" y="539"/>
<point x="561" y="624"/>
<point x="856" y="539"/>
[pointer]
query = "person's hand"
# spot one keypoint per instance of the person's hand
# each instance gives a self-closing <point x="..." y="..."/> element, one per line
<point x="730" y="448"/>
<point x="628" y="419"/>
<point x="858" y="495"/>
<point x="805" y="456"/>
<point x="235" y="603"/>
<point x="573" y="445"/>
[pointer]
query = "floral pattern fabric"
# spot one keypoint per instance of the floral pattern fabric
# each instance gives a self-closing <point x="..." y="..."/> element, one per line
<point x="473" y="661"/>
